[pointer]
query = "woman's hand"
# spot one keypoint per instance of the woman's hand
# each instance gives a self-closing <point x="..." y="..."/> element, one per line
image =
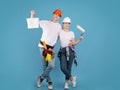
<point x="70" y="44"/>
<point x="81" y="37"/>
<point x="72" y="41"/>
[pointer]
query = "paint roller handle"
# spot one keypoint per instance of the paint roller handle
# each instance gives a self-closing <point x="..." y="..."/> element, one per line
<point x="81" y="34"/>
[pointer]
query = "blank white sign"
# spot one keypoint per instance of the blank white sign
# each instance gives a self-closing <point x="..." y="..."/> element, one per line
<point x="32" y="23"/>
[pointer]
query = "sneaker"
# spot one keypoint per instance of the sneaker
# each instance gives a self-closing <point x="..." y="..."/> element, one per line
<point x="66" y="86"/>
<point x="50" y="86"/>
<point x="73" y="81"/>
<point x="40" y="79"/>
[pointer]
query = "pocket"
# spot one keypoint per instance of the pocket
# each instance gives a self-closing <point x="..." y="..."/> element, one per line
<point x="53" y="55"/>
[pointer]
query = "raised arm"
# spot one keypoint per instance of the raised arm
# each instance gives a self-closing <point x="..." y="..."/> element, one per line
<point x="32" y="13"/>
<point x="32" y="22"/>
<point x="74" y="42"/>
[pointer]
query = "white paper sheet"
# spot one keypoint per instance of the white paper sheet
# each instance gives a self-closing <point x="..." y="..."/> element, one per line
<point x="32" y="23"/>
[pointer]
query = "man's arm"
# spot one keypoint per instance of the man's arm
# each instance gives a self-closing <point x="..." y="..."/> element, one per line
<point x="32" y="14"/>
<point x="32" y="22"/>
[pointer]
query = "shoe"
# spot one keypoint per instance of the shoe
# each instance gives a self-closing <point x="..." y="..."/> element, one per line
<point x="73" y="81"/>
<point x="50" y="86"/>
<point x="40" y="79"/>
<point x="66" y="86"/>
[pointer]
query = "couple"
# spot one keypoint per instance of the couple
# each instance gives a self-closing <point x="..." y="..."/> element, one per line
<point x="52" y="31"/>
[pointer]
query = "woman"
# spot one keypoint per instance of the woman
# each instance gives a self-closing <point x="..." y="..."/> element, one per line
<point x="67" y="52"/>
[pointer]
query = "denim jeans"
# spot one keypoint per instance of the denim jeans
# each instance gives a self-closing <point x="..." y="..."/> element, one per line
<point x="65" y="65"/>
<point x="47" y="66"/>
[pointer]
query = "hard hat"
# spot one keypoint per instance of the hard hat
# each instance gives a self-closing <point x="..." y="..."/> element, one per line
<point x="66" y="19"/>
<point x="58" y="11"/>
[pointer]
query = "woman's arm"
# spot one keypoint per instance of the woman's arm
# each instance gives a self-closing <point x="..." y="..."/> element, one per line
<point x="74" y="42"/>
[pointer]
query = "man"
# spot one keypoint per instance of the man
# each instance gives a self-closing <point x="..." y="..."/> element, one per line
<point x="51" y="29"/>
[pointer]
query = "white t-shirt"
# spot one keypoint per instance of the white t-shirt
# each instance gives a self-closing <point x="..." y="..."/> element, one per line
<point x="50" y="32"/>
<point x="65" y="37"/>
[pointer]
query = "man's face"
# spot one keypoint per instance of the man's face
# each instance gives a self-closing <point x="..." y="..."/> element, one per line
<point x="56" y="17"/>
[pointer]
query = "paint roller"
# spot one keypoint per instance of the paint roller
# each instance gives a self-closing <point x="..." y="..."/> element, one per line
<point x="81" y="29"/>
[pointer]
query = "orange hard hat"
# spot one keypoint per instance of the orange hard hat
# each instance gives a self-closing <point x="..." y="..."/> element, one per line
<point x="58" y="11"/>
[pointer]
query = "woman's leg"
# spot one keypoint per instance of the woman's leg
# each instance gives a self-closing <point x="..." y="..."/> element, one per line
<point x="70" y="62"/>
<point x="66" y="68"/>
<point x="63" y="65"/>
<point x="72" y="78"/>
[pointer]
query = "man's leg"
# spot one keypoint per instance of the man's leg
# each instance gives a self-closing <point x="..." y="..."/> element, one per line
<point x="45" y="64"/>
<point x="46" y="73"/>
<point x="47" y="67"/>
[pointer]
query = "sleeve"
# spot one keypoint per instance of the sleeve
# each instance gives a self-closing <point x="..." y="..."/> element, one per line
<point x="60" y="28"/>
<point x="59" y="33"/>
<point x="43" y="23"/>
<point x="73" y="35"/>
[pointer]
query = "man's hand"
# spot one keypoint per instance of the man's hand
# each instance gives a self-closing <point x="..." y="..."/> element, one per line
<point x="32" y="12"/>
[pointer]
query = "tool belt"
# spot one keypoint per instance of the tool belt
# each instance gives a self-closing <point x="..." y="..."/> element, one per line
<point x="48" y="46"/>
<point x="47" y="49"/>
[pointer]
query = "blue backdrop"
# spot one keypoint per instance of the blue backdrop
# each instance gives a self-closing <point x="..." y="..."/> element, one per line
<point x="98" y="54"/>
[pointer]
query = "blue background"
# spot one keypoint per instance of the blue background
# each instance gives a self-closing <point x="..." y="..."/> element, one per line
<point x="98" y="54"/>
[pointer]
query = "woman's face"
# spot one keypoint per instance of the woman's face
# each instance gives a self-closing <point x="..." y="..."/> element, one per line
<point x="66" y="25"/>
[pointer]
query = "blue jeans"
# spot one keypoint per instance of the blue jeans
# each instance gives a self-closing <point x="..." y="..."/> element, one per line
<point x="65" y="65"/>
<point x="47" y="66"/>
